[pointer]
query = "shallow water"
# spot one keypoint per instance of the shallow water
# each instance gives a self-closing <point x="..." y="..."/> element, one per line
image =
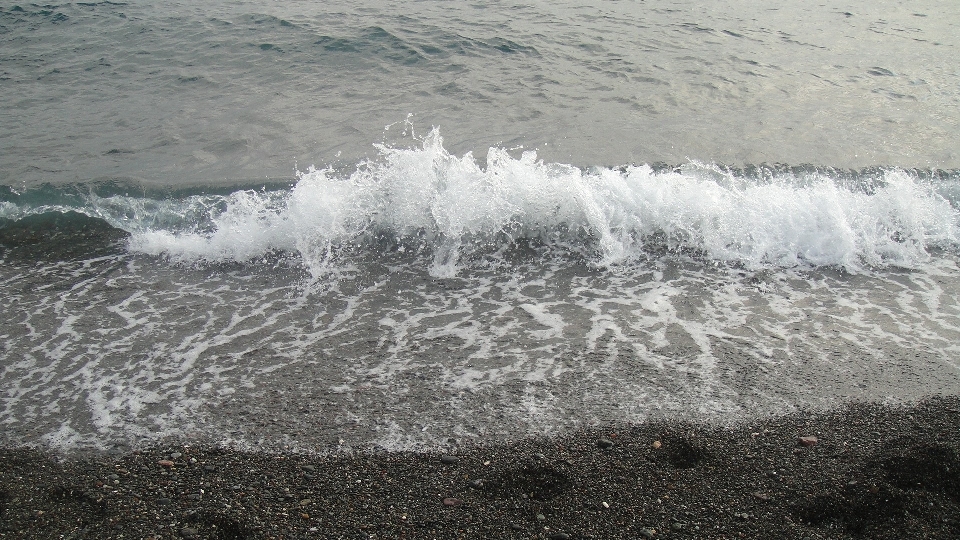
<point x="123" y="349"/>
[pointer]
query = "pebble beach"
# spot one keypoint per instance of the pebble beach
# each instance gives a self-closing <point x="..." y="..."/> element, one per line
<point x="482" y="270"/>
<point x="858" y="471"/>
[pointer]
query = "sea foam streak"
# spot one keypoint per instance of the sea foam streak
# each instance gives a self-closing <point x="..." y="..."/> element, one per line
<point x="453" y="206"/>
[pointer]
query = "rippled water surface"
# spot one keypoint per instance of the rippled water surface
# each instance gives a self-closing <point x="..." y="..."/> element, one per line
<point x="230" y="92"/>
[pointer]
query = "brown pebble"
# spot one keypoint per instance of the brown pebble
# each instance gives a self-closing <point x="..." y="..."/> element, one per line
<point x="165" y="463"/>
<point x="809" y="440"/>
<point x="450" y="501"/>
<point x="656" y="445"/>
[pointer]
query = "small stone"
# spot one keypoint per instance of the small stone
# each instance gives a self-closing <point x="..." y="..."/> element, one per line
<point x="648" y="533"/>
<point x="449" y="460"/>
<point x="309" y="468"/>
<point x="677" y="526"/>
<point x="451" y="501"/>
<point x="559" y="536"/>
<point x="760" y="495"/>
<point x="175" y="455"/>
<point x="209" y="468"/>
<point x="476" y="483"/>
<point x="656" y="445"/>
<point x="517" y="527"/>
<point x="541" y="517"/>
<point x="306" y="502"/>
<point x="809" y="440"/>
<point x="604" y="443"/>
<point x="165" y="463"/>
<point x="187" y="532"/>
<point x="163" y="500"/>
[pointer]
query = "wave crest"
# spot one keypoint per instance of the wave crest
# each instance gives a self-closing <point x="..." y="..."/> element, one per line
<point x="451" y="207"/>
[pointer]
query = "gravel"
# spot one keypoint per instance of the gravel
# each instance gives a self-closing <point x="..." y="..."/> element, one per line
<point x="874" y="472"/>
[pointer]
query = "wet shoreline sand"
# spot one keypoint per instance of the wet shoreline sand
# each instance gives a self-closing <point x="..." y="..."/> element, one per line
<point x="874" y="471"/>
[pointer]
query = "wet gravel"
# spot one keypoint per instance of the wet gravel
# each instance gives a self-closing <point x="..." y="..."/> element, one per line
<point x="862" y="471"/>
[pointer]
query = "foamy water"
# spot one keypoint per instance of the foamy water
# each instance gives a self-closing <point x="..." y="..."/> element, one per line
<point x="129" y="350"/>
<point x="235" y="222"/>
<point x="454" y="207"/>
<point x="424" y="296"/>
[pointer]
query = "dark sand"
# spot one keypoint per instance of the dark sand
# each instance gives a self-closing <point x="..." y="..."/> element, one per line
<point x="874" y="472"/>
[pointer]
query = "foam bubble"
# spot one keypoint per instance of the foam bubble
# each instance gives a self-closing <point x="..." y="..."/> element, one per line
<point x="453" y="208"/>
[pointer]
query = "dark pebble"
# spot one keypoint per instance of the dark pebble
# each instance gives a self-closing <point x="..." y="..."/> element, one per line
<point x="559" y="536"/>
<point x="187" y="532"/>
<point x="50" y="497"/>
<point x="807" y="441"/>
<point x="604" y="443"/>
<point x="449" y="460"/>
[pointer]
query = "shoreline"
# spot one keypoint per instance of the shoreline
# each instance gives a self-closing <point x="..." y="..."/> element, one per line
<point x="874" y="471"/>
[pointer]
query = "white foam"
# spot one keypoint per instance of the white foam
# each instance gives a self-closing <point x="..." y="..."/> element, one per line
<point x="541" y="315"/>
<point x="154" y="352"/>
<point x="456" y="207"/>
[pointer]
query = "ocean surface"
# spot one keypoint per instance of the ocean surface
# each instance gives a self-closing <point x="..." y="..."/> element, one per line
<point x="325" y="226"/>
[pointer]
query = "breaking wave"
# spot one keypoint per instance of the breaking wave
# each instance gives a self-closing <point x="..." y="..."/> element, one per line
<point x="451" y="207"/>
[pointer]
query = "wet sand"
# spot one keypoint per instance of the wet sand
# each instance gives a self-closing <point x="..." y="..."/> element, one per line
<point x="872" y="472"/>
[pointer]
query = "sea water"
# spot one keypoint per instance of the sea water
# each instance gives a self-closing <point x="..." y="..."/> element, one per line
<point x="328" y="227"/>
